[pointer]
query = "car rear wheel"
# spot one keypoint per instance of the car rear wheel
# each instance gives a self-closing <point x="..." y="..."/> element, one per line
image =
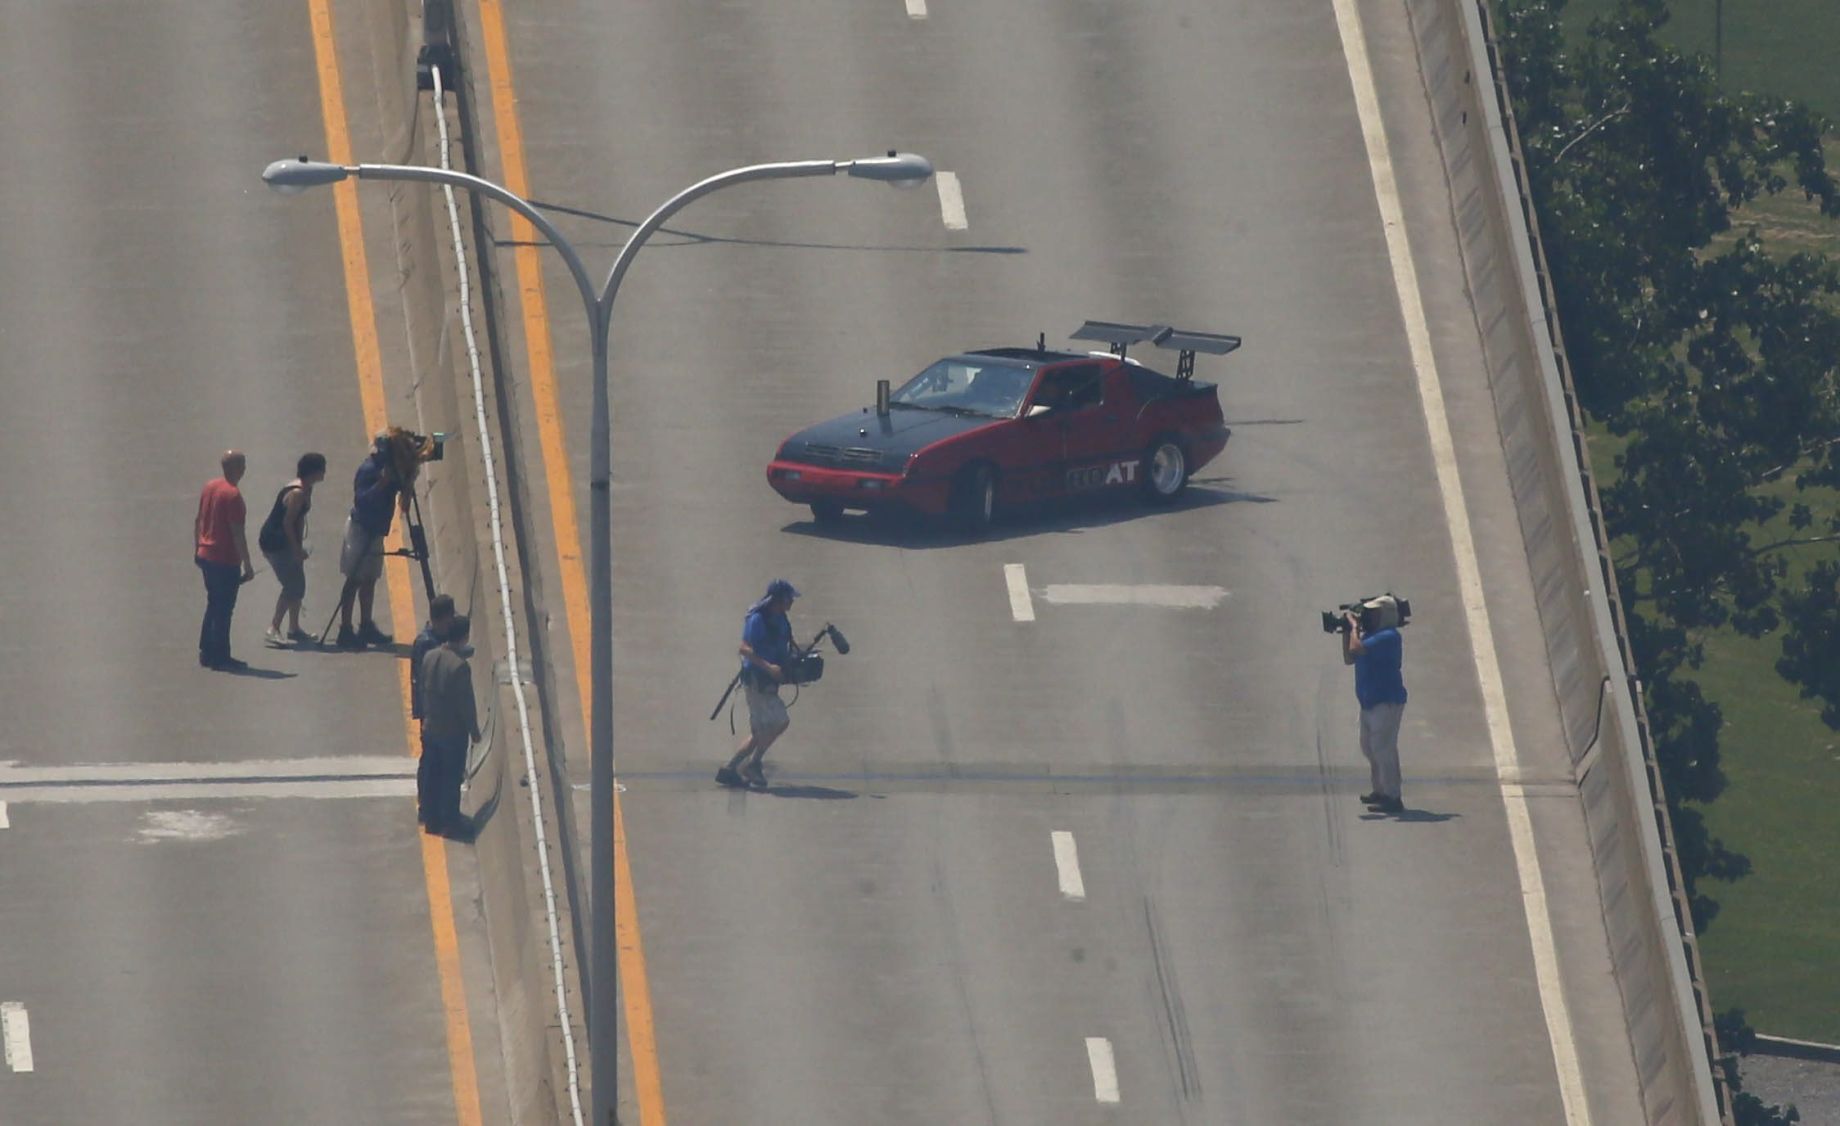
<point x="1165" y="471"/>
<point x="826" y="511"/>
<point x="974" y="504"/>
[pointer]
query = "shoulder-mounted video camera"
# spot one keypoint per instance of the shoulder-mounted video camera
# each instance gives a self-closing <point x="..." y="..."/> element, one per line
<point x="807" y="665"/>
<point x="1383" y="611"/>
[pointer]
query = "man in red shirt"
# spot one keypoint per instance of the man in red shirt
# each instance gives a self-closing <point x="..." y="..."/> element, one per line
<point x="219" y="551"/>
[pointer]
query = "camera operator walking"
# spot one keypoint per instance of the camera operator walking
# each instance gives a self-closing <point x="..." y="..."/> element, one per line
<point x="376" y="493"/>
<point x="766" y="648"/>
<point x="1371" y="643"/>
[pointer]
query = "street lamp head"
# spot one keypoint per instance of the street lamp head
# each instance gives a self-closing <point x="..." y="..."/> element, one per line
<point x="902" y="169"/>
<point x="291" y="176"/>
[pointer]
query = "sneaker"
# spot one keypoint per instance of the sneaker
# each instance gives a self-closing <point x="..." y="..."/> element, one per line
<point x="370" y="633"/>
<point x="300" y="637"/>
<point x="350" y="639"/>
<point x="756" y="776"/>
<point x="1389" y="805"/>
<point x="727" y="776"/>
<point x="230" y="664"/>
<point x="275" y="637"/>
<point x="1372" y="799"/>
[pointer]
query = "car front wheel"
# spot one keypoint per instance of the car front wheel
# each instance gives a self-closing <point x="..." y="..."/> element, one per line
<point x="1165" y="471"/>
<point x="974" y="506"/>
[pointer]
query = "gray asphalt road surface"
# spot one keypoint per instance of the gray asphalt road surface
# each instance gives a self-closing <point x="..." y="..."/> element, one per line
<point x="887" y="934"/>
<point x="259" y="957"/>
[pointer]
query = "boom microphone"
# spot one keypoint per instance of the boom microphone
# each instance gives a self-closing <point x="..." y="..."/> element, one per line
<point x="842" y="642"/>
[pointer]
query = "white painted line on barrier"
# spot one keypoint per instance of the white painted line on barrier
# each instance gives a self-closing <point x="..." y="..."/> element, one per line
<point x="1067" y="862"/>
<point x="916" y="9"/>
<point x="5" y="822"/>
<point x="1134" y="594"/>
<point x="951" y="200"/>
<point x="1104" y="1069"/>
<point x="1559" y="1029"/>
<point x="16" y="1031"/>
<point x="1021" y="606"/>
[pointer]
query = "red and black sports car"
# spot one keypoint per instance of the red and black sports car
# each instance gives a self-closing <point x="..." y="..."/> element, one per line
<point x="1004" y="427"/>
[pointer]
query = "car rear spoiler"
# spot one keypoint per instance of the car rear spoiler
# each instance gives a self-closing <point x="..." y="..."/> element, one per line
<point x="1122" y="336"/>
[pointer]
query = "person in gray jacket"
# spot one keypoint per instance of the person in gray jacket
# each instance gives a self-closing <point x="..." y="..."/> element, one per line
<point x="450" y="724"/>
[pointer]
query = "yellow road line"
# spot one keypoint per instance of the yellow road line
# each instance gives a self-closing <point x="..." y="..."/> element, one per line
<point x="648" y="1086"/>
<point x="402" y="604"/>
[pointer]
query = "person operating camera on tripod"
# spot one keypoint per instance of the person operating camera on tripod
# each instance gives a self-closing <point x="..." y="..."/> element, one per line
<point x="1371" y="643"/>
<point x="766" y="649"/>
<point x="376" y="494"/>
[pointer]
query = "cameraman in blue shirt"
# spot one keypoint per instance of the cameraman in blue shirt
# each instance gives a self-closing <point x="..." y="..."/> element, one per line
<point x="1371" y="643"/>
<point x="766" y="649"/>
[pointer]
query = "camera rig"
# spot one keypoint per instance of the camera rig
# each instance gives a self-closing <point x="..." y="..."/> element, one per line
<point x="805" y="666"/>
<point x="1336" y="620"/>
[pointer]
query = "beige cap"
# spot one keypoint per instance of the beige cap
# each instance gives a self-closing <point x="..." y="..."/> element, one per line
<point x="1387" y="610"/>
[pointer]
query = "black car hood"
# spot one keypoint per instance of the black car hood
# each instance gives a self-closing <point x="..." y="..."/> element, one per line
<point x="867" y="440"/>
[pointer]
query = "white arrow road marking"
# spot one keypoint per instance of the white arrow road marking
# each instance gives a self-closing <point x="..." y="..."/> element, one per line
<point x="1142" y="594"/>
<point x="16" y="1031"/>
<point x="1067" y="861"/>
<point x="1104" y="1069"/>
<point x="951" y="200"/>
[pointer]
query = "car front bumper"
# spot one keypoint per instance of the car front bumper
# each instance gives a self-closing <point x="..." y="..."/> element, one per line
<point x="852" y="488"/>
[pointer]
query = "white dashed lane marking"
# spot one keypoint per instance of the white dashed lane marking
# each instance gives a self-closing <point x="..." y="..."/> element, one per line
<point x="16" y="1031"/>
<point x="1067" y="862"/>
<point x="1021" y="606"/>
<point x="1104" y="1069"/>
<point x="5" y="822"/>
<point x="951" y="201"/>
<point x="916" y="9"/>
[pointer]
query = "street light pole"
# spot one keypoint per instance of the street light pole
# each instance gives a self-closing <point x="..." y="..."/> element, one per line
<point x="901" y="169"/>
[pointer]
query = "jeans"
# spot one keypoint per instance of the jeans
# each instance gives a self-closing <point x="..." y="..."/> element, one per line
<point x="437" y="781"/>
<point x="221" y="582"/>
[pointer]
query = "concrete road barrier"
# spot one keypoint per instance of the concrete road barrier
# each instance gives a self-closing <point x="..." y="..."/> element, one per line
<point x="455" y="504"/>
<point x="1650" y="930"/>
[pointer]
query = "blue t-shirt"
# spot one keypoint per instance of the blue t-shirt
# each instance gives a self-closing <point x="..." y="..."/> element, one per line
<point x="768" y="634"/>
<point x="1377" y="669"/>
<point x="373" y="500"/>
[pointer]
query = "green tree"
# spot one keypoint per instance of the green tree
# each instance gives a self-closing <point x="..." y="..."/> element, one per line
<point x="1711" y="358"/>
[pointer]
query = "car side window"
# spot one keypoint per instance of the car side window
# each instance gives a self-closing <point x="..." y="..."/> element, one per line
<point x="1072" y="387"/>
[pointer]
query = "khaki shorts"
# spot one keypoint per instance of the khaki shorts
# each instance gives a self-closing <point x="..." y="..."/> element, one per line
<point x="361" y="555"/>
<point x="766" y="711"/>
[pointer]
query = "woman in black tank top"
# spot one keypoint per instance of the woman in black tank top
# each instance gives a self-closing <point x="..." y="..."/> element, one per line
<point x="288" y="552"/>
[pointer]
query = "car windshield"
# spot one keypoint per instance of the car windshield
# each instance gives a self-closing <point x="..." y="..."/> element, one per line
<point x="967" y="386"/>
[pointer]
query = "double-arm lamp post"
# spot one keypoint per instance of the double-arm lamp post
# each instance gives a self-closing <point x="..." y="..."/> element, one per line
<point x="901" y="169"/>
